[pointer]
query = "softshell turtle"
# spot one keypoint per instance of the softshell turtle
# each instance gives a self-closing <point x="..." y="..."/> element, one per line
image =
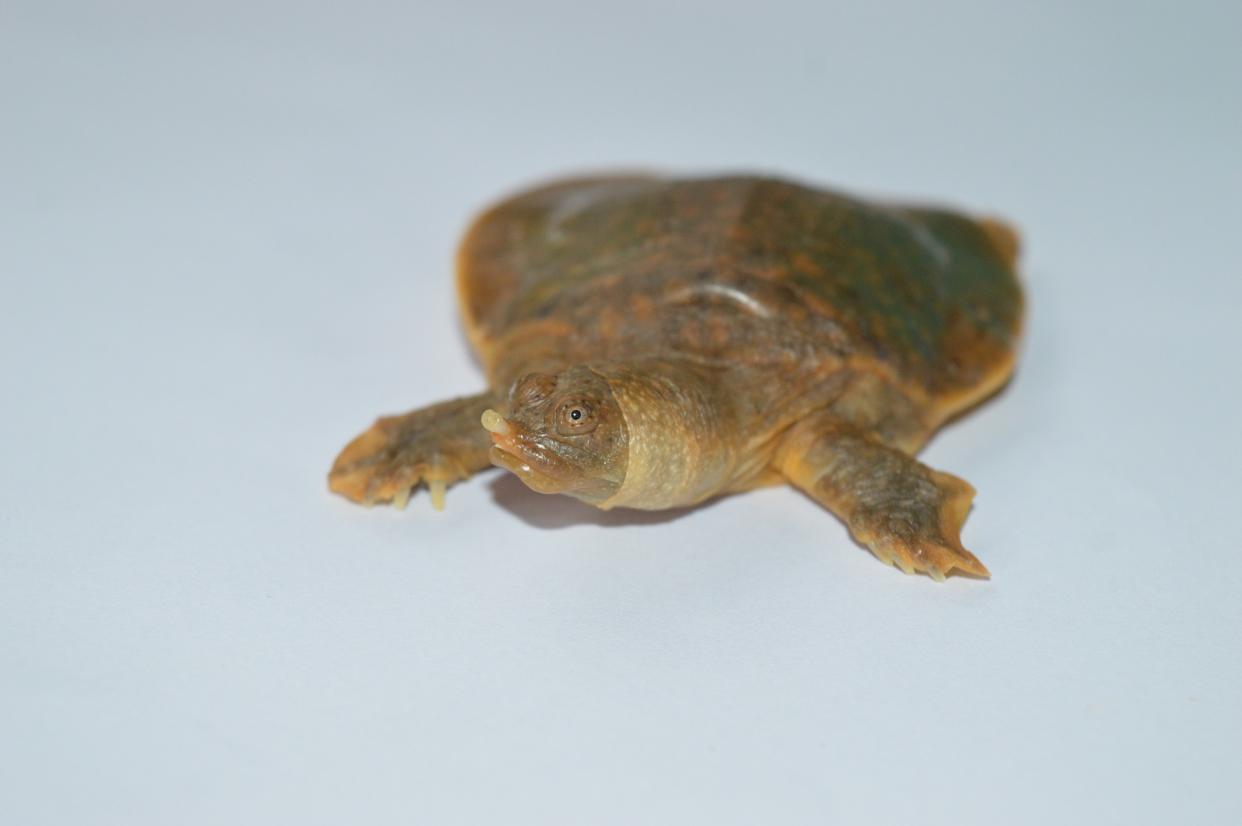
<point x="651" y="342"/>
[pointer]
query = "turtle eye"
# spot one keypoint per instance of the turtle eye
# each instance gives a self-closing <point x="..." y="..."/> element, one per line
<point x="574" y="418"/>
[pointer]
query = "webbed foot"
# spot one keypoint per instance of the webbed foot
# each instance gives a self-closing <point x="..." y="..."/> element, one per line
<point x="435" y="446"/>
<point x="917" y="527"/>
<point x="909" y="515"/>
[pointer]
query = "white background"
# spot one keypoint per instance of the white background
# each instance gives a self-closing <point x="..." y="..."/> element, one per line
<point x="226" y="236"/>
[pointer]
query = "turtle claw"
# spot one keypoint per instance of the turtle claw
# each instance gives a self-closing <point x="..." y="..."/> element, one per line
<point x="437" y="488"/>
<point x="936" y="558"/>
<point x="401" y="498"/>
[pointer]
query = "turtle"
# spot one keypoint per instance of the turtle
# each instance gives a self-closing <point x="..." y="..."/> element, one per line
<point x="652" y="341"/>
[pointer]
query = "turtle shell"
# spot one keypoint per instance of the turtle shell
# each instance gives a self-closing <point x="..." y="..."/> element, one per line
<point x="927" y="295"/>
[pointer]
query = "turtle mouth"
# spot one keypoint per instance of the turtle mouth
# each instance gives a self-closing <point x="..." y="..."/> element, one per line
<point x="522" y="454"/>
<point x="516" y="464"/>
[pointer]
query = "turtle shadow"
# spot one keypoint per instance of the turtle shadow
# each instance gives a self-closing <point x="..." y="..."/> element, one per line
<point x="547" y="512"/>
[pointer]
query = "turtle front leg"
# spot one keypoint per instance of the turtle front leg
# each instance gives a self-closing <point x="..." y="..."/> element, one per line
<point x="436" y="445"/>
<point x="906" y="513"/>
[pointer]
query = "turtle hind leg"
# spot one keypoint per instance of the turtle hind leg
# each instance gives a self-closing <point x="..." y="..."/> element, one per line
<point x="436" y="446"/>
<point x="906" y="513"/>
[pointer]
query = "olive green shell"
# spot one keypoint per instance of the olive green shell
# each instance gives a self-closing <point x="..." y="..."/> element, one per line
<point x="928" y="294"/>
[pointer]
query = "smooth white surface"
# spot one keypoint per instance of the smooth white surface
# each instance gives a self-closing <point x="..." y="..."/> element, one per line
<point x="225" y="245"/>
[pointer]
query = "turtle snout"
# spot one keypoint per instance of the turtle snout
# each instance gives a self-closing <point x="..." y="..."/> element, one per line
<point x="511" y="437"/>
<point x="505" y="435"/>
<point x="526" y="455"/>
<point x="495" y="423"/>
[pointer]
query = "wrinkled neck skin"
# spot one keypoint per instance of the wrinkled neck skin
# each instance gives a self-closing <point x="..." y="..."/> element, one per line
<point x="682" y="424"/>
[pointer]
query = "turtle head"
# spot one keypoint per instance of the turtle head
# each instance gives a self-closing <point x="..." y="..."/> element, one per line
<point x="650" y="435"/>
<point x="564" y="434"/>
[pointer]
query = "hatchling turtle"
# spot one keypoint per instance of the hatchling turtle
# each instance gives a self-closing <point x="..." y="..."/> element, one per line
<point x="651" y="342"/>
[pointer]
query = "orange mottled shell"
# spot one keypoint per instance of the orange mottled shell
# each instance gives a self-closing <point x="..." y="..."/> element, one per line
<point x="929" y="295"/>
